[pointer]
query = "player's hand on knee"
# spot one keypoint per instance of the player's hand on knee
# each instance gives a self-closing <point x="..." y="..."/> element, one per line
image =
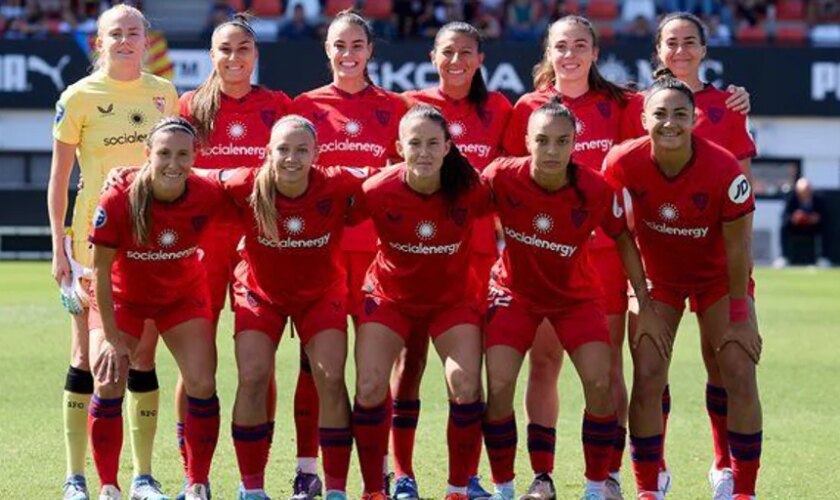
<point x="111" y="361"/>
<point x="653" y="326"/>
<point x="745" y="335"/>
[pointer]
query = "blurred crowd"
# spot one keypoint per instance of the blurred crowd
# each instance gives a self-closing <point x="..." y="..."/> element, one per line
<point x="729" y="21"/>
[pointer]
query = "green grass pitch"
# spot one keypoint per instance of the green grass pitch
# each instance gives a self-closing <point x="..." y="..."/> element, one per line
<point x="799" y="314"/>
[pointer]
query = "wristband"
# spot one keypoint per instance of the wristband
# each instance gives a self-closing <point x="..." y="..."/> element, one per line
<point x="738" y="310"/>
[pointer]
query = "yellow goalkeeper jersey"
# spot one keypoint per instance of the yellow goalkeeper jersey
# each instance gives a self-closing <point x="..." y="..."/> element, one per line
<point x="108" y="121"/>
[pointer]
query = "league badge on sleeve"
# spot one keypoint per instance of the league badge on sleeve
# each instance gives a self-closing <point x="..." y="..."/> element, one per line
<point x="100" y="217"/>
<point x="739" y="190"/>
<point x="160" y="103"/>
<point x="59" y="112"/>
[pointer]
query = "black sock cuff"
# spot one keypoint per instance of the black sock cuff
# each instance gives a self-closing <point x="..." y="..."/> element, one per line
<point x="78" y="381"/>
<point x="142" y="381"/>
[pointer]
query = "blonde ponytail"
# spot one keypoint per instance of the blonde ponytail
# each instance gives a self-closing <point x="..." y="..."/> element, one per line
<point x="262" y="201"/>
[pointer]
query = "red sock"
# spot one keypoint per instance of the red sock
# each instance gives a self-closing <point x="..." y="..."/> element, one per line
<point x="201" y="433"/>
<point x="666" y="412"/>
<point x="541" y="442"/>
<point x="598" y="435"/>
<point x="336" y="445"/>
<point x="182" y="447"/>
<point x="646" y="453"/>
<point x="105" y="428"/>
<point x="500" y="440"/>
<point x="745" y="451"/>
<point x="306" y="410"/>
<point x="716" y="403"/>
<point x="252" y="444"/>
<point x="618" y="449"/>
<point x="463" y="436"/>
<point x="403" y="428"/>
<point x="370" y="430"/>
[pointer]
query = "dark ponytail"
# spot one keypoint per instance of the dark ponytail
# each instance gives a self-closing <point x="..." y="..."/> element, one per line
<point x="666" y="81"/>
<point x="478" y="89"/>
<point x="351" y="16"/>
<point x="675" y="16"/>
<point x="457" y="176"/>
<point x="554" y="108"/>
<point x="544" y="75"/>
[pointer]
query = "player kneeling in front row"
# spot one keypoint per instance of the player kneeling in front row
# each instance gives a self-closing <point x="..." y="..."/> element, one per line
<point x="549" y="207"/>
<point x="145" y="236"/>
<point x="690" y="205"/>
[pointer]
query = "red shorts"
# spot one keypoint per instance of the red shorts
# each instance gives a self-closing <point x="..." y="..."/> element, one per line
<point x="130" y="317"/>
<point x="252" y="312"/>
<point x="482" y="263"/>
<point x="607" y="261"/>
<point x="219" y="256"/>
<point x="356" y="264"/>
<point x="433" y="321"/>
<point x="698" y="300"/>
<point x="514" y="325"/>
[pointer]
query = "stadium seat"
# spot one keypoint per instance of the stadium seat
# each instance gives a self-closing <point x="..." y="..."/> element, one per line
<point x="605" y="30"/>
<point x="751" y="34"/>
<point x="333" y="7"/>
<point x="378" y="9"/>
<point x="267" y="8"/>
<point x="606" y="10"/>
<point x="790" y="10"/>
<point x="237" y="5"/>
<point x="792" y="34"/>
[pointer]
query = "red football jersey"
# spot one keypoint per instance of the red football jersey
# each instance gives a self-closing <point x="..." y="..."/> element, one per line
<point x="304" y="264"/>
<point x="715" y="122"/>
<point x="168" y="269"/>
<point x="478" y="136"/>
<point x="358" y="129"/>
<point x="241" y="129"/>
<point x="423" y="259"/>
<point x="679" y="221"/>
<point x="546" y="262"/>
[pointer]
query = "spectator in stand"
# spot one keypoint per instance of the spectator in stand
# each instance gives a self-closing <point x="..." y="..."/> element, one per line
<point x="638" y="30"/>
<point x="298" y="27"/>
<point x="824" y="16"/>
<point x="719" y="33"/>
<point x="753" y="12"/>
<point x="311" y="11"/>
<point x="408" y="12"/>
<point x="802" y="224"/>
<point x="488" y="24"/>
<point x="43" y="17"/>
<point x="438" y="13"/>
<point x="525" y="20"/>
<point x="220" y="13"/>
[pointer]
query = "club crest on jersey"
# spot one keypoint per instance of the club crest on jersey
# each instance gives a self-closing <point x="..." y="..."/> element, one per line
<point x="59" y="112"/>
<point x="486" y="118"/>
<point x="237" y="130"/>
<point x="198" y="223"/>
<point x="716" y="115"/>
<point x="426" y="230"/>
<point x="252" y="299"/>
<point x="99" y="217"/>
<point x="160" y="103"/>
<point x="393" y="217"/>
<point x="371" y="305"/>
<point x="294" y="225"/>
<point x="513" y="202"/>
<point x="268" y="117"/>
<point x="324" y="206"/>
<point x="319" y="115"/>
<point x="167" y="238"/>
<point x="739" y="190"/>
<point x="604" y="108"/>
<point x="700" y="200"/>
<point x="456" y="129"/>
<point x="382" y="116"/>
<point x="579" y="216"/>
<point x="669" y="212"/>
<point x="459" y="216"/>
<point x="352" y="128"/>
<point x="543" y="223"/>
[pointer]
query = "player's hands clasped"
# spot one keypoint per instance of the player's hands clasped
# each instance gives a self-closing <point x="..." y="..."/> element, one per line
<point x="745" y="334"/>
<point x="653" y="326"/>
